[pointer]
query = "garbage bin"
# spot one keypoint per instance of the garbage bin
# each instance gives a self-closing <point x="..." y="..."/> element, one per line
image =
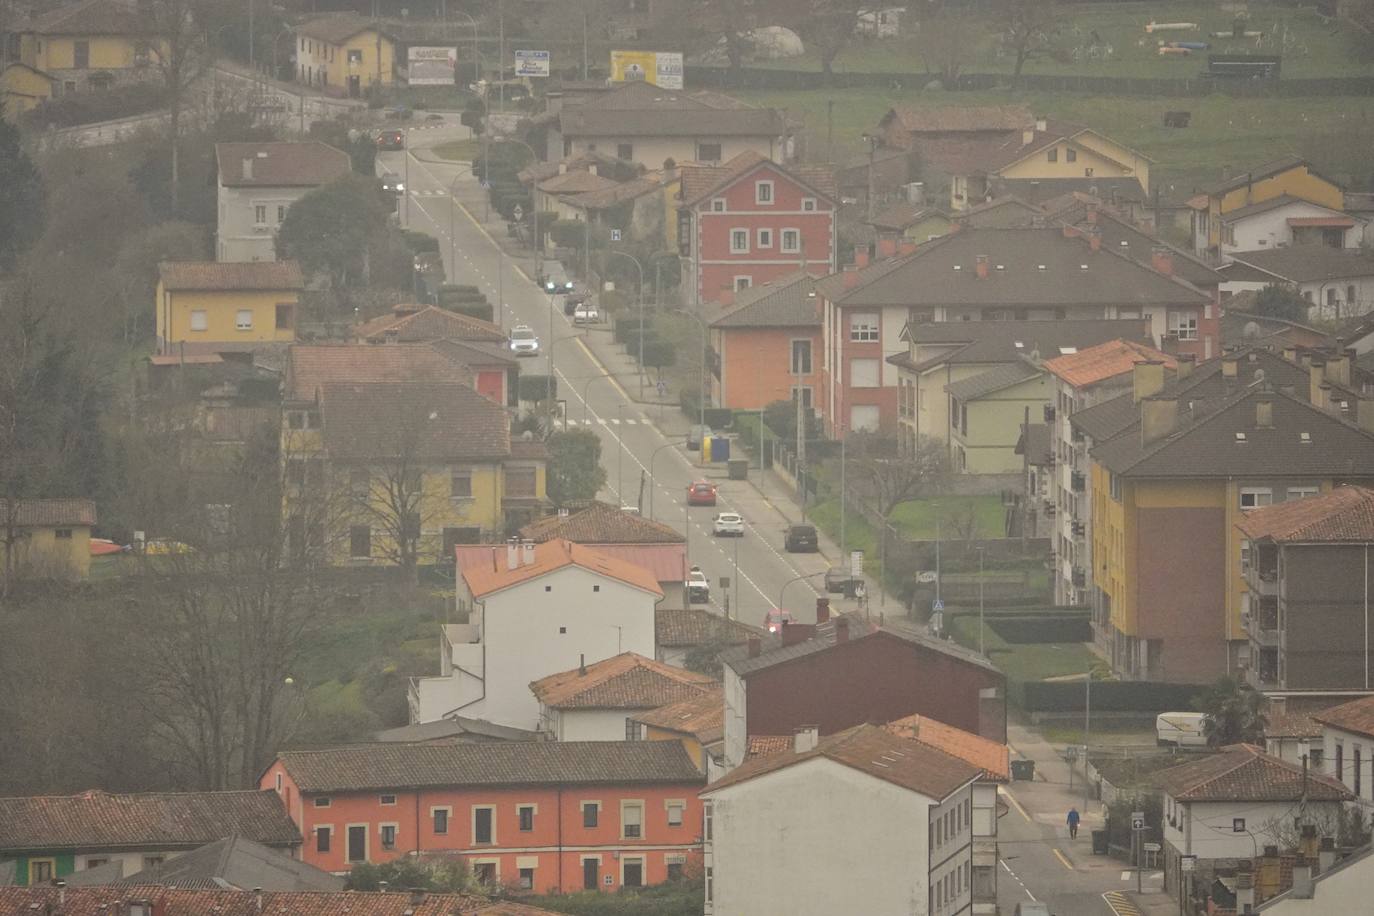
<point x="739" y="468"/>
<point x="720" y="449"/>
<point x="1023" y="770"/>
<point x="1099" y="842"/>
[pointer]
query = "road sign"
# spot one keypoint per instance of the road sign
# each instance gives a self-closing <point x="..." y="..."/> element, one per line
<point x="1187" y="864"/>
<point x="926" y="576"/>
<point x="662" y="387"/>
<point x="724" y="581"/>
<point x="518" y="213"/>
<point x="486" y="186"/>
<point x="615" y="235"/>
<point x="937" y="605"/>
<point x="532" y="63"/>
<point x="1152" y="847"/>
<point x="937" y="621"/>
<point x="1137" y="820"/>
<point x="856" y="563"/>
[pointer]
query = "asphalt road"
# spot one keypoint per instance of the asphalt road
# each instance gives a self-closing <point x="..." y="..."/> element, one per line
<point x="632" y="441"/>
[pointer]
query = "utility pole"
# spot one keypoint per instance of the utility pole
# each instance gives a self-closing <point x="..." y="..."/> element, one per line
<point x="872" y="155"/>
<point x="619" y="454"/>
<point x="584" y="44"/>
<point x="501" y="52"/>
<point x="252" y="54"/>
<point x="843" y="554"/>
<point x="801" y="438"/>
<point x="1087" y="719"/>
<point x="980" y="601"/>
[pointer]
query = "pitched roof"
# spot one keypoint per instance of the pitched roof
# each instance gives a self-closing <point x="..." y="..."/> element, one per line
<point x="943" y="272"/>
<point x="773" y="652"/>
<point x="1356" y="716"/>
<point x="375" y="422"/>
<point x="90" y="17"/>
<point x="688" y="627"/>
<point x="902" y="215"/>
<point x="1273" y="203"/>
<point x="576" y="182"/>
<point x="767" y="745"/>
<point x="97" y="820"/>
<point x="107" y="900"/>
<point x="410" y="323"/>
<point x="44" y="513"/>
<point x="1305" y="263"/>
<point x="1105" y="361"/>
<point x="702" y="716"/>
<point x="996" y="379"/>
<point x="338" y="28"/>
<point x="1243" y="772"/>
<point x="961" y="118"/>
<point x="786" y="302"/>
<point x="1002" y="213"/>
<point x="625" y="681"/>
<point x="224" y="275"/>
<point x="1344" y="514"/>
<point x="702" y="181"/>
<point x="1249" y="176"/>
<point x="601" y="523"/>
<point x="641" y="110"/>
<point x="990" y="757"/>
<point x="539" y="170"/>
<point x="610" y="197"/>
<point x="991" y="342"/>
<point x="1045" y="190"/>
<point x="309" y="367"/>
<point x="237" y="862"/>
<point x="483" y="580"/>
<point x="1124" y="237"/>
<point x="364" y="767"/>
<point x="869" y="749"/>
<point x="1292" y="725"/>
<point x="278" y="164"/>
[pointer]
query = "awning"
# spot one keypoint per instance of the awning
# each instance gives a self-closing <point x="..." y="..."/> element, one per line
<point x="1324" y="222"/>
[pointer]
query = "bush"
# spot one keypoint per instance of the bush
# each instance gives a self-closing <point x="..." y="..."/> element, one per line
<point x="89" y="107"/>
<point x="721" y="418"/>
<point x="627" y="327"/>
<point x="536" y="387"/>
<point x="419" y="242"/>
<point x="480" y="310"/>
<point x="659" y="354"/>
<point x="689" y="399"/>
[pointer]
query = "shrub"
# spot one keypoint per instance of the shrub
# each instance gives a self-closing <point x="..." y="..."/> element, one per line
<point x="89" y="107"/>
<point x="1107" y="696"/>
<point x="482" y="310"/>
<point x="536" y="387"/>
<point x="420" y="242"/>
<point x="659" y="354"/>
<point x="720" y="417"/>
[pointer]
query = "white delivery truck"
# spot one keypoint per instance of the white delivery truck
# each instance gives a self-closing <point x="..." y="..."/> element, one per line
<point x="1181" y="729"/>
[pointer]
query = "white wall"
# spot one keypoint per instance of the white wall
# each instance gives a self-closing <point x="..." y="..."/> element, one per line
<point x="1271" y="230"/>
<point x="238" y="235"/>
<point x="1349" y="743"/>
<point x="589" y="724"/>
<point x="1344" y="889"/>
<point x="736" y="727"/>
<point x="1317" y="293"/>
<point x="1206" y="829"/>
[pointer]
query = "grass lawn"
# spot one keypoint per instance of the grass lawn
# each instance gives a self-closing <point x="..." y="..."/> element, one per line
<point x="459" y="150"/>
<point x="919" y="518"/>
<point x="858" y="533"/>
<point x="1024" y="662"/>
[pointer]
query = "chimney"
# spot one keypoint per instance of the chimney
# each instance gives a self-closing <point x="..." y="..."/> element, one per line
<point x="257" y="899"/>
<point x="887" y="248"/>
<point x="582" y="664"/>
<point x="248" y="170"/>
<point x="1309" y="843"/>
<point x="1264" y="413"/>
<point x="805" y="738"/>
<point x="1302" y="879"/>
<point x="1230" y="365"/>
<point x="1158" y="418"/>
<point x="1326" y="855"/>
<point x="755" y="646"/>
<point x="1316" y="375"/>
<point x="1147" y="378"/>
<point x="1290" y="353"/>
<point x="906" y="247"/>
<point x="860" y="258"/>
<point x="841" y="629"/>
<point x="726" y="297"/>
<point x="512" y="554"/>
<point x="1042" y="124"/>
<point x="1095" y="239"/>
<point x="1092" y="215"/>
<point x="562" y="168"/>
<point x="1071" y="231"/>
<point x="851" y="279"/>
<point x="1027" y="137"/>
<point x="1278" y="706"/>
<point x="822" y="610"/>
<point x="1267" y="879"/>
<point x="1162" y="259"/>
<point x="980" y="263"/>
<point x="1364" y="414"/>
<point x="793" y="633"/>
<point x="1245" y="888"/>
<point x="61" y="891"/>
<point x="553" y="102"/>
<point x="417" y="896"/>
<point x="1338" y="369"/>
<point x="529" y="553"/>
<point x="592" y="168"/>
<point x="1186" y="361"/>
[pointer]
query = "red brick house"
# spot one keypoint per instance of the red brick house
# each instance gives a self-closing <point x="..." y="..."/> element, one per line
<point x="750" y="221"/>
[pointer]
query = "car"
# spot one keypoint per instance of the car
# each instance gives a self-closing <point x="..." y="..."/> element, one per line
<point x="393" y="184"/>
<point x="434" y="116"/>
<point x="774" y="619"/>
<point x="701" y="493"/>
<point x="728" y="524"/>
<point x="801" y="539"/>
<point x="698" y="586"/>
<point x="696" y="435"/>
<point x="391" y="139"/>
<point x="585" y="312"/>
<point x="523" y="342"/>
<point x="840" y="581"/>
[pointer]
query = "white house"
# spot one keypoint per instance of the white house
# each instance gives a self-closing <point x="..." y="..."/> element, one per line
<point x="1337" y="283"/>
<point x="773" y="829"/>
<point x="1226" y="806"/>
<point x="1285" y="220"/>
<point x="1344" y="888"/>
<point x="600" y="701"/>
<point x="533" y="610"/>
<point x="257" y="184"/>
<point x="1348" y="745"/>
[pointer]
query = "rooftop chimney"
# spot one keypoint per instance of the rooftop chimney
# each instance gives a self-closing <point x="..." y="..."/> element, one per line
<point x="1186" y="361"/>
<point x="1230" y="365"/>
<point x="822" y="610"/>
<point x="1278" y="706"/>
<point x="793" y="633"/>
<point x="860" y="258"/>
<point x="512" y="554"/>
<point x="1268" y="877"/>
<point x="1302" y="879"/>
<point x="1092" y="215"/>
<point x="851" y="278"/>
<point x="1308" y="842"/>
<point x="1245" y="888"/>
<point x="805" y="738"/>
<point x="1042" y="124"/>
<point x="1027" y="137"/>
<point x="1162" y="259"/>
<point x="582" y="664"/>
<point x="887" y="248"/>
<point x="1338" y="368"/>
<point x="1147" y="378"/>
<point x="248" y="170"/>
<point x="1158" y="418"/>
<point x="257" y="899"/>
<point x="61" y="891"/>
<point x="841" y="629"/>
<point x="755" y="646"/>
<point x="1071" y="231"/>
<point x="529" y="553"/>
<point x="417" y="896"/>
<point x="1264" y="413"/>
<point x="1318" y="389"/>
<point x="1290" y="353"/>
<point x="980" y="265"/>
<point x="1326" y="855"/>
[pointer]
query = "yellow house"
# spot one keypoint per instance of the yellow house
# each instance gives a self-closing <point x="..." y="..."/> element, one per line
<point x="699" y="723"/>
<point x="345" y="53"/>
<point x="46" y="538"/>
<point x="1289" y="176"/>
<point x="211" y="305"/>
<point x="90" y="44"/>
<point x="23" y="88"/>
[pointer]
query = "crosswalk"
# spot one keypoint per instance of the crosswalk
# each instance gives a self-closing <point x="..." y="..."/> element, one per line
<point x="1121" y="904"/>
<point x="430" y="193"/>
<point x="605" y="421"/>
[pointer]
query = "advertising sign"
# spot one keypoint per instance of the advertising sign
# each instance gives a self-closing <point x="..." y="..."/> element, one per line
<point x="532" y="63"/>
<point x="663" y="69"/>
<point x="431" y="66"/>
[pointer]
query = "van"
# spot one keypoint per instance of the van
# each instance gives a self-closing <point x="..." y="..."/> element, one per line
<point x="1181" y="729"/>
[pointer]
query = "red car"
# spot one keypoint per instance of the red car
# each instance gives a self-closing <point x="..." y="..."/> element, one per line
<point x="701" y="493"/>
<point x="391" y="139"/>
<point x="775" y="618"/>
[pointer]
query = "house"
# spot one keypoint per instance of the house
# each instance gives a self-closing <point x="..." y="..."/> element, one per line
<point x="530" y="614"/>
<point x="990" y="408"/>
<point x="698" y="722"/>
<point x="178" y="901"/>
<point x="888" y="173"/>
<point x="454" y="730"/>
<point x="24" y="88"/>
<point x="643" y="123"/>
<point x="1306" y="610"/>
<point x="1286" y="221"/>
<point x="211" y="307"/>
<point x="1293" y="736"/>
<point x="1337" y="283"/>
<point x="679" y="632"/>
<point x="777" y="683"/>
<point x="977" y="274"/>
<point x="1167" y="492"/>
<point x="84" y="46"/>
<point x="46" y="538"/>
<point x="546" y="816"/>
<point x="600" y="701"/>
<point x="1242" y="328"/>
<point x="1082" y="379"/>
<point x="1290" y="177"/>
<point x="766" y="342"/>
<point x="883" y="22"/>
<point x="642" y="206"/>
<point x="1348" y="745"/>
<point x="1341" y="888"/>
<point x="1222" y="807"/>
<point x="908" y="222"/>
<point x="1124" y="195"/>
<point x="256" y="185"/>
<point x="479" y="345"/>
<point x="235" y="862"/>
<point x="49" y="837"/>
<point x="771" y="828"/>
<point x="751" y="220"/>
<point x="344" y="54"/>
<point x="625" y="536"/>
<point x="909" y="129"/>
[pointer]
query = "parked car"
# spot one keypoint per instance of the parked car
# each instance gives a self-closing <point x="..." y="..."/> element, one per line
<point x="774" y="619"/>
<point x="586" y="312"/>
<point x="1181" y="729"/>
<point x="391" y="139"/>
<point x="696" y="435"/>
<point x="701" y="493"/>
<point x="840" y="581"/>
<point x="554" y="278"/>
<point x="801" y="539"/>
<point x="523" y="342"/>
<point x="393" y="184"/>
<point x="698" y="586"/>
<point x="729" y="524"/>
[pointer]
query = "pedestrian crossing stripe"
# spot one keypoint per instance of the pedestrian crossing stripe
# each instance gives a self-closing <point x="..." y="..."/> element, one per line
<point x="1121" y="905"/>
<point x="632" y="422"/>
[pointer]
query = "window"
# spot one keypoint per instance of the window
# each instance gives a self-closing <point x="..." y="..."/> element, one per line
<point x="260" y="214"/>
<point x="804" y="392"/>
<point x="675" y="809"/>
<point x="674" y="864"/>
<point x="440" y="820"/>
<point x="527" y="879"/>
<point x="863" y="373"/>
<point x="482" y="831"/>
<point x="63" y="534"/>
<point x="81" y="55"/>
<point x="1245" y="558"/>
<point x="631" y="820"/>
<point x="1331" y="296"/>
<point x="281" y="213"/>
<point x="40" y="871"/>
<point x="322" y="837"/>
<point x="707" y="822"/>
<point x="743" y="282"/>
<point x="1052" y="154"/>
<point x="360" y="542"/>
<point x="632" y="872"/>
<point x="1254" y="497"/>
<point x="624" y="151"/>
<point x="1340" y="761"/>
<point x="763" y="192"/>
<point x="739" y="241"/>
<point x="1183" y="325"/>
<point x="278" y="782"/>
<point x="591" y="814"/>
<point x="526" y="813"/>
<point x="484" y="872"/>
<point x="243" y="320"/>
<point x="863" y="327"/>
<point x="791" y="241"/>
<point x="801" y="357"/>
<point x="1301" y="492"/>
<point x="708" y="152"/>
<point x="199" y="320"/>
<point x="1355" y="763"/>
<point x="765" y="238"/>
<point x="286" y="316"/>
<point x="718" y="205"/>
<point x="1237" y="825"/>
<point x="322" y="802"/>
<point x="1071" y="155"/>
<point x="631" y="730"/>
<point x="355" y="57"/>
<point x="1114" y="487"/>
<point x="808" y="204"/>
<point x="388" y="836"/>
<point x="460" y="483"/>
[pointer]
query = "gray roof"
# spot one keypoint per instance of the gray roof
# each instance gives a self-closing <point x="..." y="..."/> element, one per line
<point x="1035" y="443"/>
<point x="993" y="342"/>
<point x="1003" y="213"/>
<point x="1304" y="263"/>
<point x="237" y="862"/>
<point x="942" y="272"/>
<point x="642" y="110"/>
<point x="1039" y="190"/>
<point x="454" y="729"/>
<point x="773" y="652"/>
<point x="998" y="379"/>
<point x="366" y="767"/>
<point x="1272" y="203"/>
<point x="1125" y="238"/>
<point x="782" y="303"/>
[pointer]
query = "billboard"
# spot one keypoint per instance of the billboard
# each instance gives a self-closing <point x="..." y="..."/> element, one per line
<point x="531" y="63"/>
<point x="658" y="68"/>
<point x="431" y="66"/>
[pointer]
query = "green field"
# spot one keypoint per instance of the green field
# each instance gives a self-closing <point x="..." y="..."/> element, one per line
<point x="921" y="519"/>
<point x="459" y="150"/>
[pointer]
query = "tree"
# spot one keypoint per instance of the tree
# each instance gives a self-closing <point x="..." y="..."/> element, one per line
<point x="826" y="26"/>
<point x="944" y="42"/>
<point x="331" y="229"/>
<point x="1235" y="713"/>
<point x="21" y="197"/>
<point x="439" y="875"/>
<point x="135" y="272"/>
<point x="575" y="471"/>
<point x="182" y="55"/>
<point x="889" y="479"/>
<point x="1275" y="301"/>
<point x="1028" y="29"/>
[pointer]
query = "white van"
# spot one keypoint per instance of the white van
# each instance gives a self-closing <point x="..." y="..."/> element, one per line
<point x="1181" y="729"/>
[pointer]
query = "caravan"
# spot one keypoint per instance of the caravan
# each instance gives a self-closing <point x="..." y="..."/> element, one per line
<point x="1181" y="729"/>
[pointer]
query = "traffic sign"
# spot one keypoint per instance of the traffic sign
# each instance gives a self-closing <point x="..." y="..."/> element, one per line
<point x="615" y="235"/>
<point x="1151" y="847"/>
<point x="937" y="622"/>
<point x="1187" y="864"/>
<point x="662" y="387"/>
<point x="1137" y="820"/>
<point x="518" y="213"/>
<point x="937" y="605"/>
<point x="856" y="563"/>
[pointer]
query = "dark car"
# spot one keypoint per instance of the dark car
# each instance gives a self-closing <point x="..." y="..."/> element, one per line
<point x="399" y="113"/>
<point x="840" y="581"/>
<point x="801" y="539"/>
<point x="695" y="435"/>
<point x="391" y="139"/>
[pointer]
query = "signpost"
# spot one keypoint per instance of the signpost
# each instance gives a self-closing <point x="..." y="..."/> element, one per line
<point x="431" y="66"/>
<point x="856" y="563"/>
<point x="615" y="235"/>
<point x="1137" y="852"/>
<point x="532" y="63"/>
<point x="1186" y="866"/>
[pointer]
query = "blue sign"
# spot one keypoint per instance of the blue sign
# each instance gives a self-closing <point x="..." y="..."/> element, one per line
<point x="615" y="235"/>
<point x="937" y="605"/>
<point x="662" y="388"/>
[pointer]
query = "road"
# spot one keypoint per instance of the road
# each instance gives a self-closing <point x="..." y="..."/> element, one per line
<point x="633" y="442"/>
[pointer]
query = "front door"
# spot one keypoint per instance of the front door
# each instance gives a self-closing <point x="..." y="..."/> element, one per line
<point x="357" y="844"/>
<point x="590" y="870"/>
<point x="355" y="87"/>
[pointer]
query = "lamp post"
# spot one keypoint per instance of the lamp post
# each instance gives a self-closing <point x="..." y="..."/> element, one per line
<point x="586" y="389"/>
<point x="652" y="485"/>
<point x="980" y="601"/>
<point x="639" y="298"/>
<point x="476" y="55"/>
<point x="783" y="591"/>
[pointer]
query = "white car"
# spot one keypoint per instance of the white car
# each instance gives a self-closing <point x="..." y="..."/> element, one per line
<point x="523" y="342"/>
<point x="585" y="312"/>
<point x="698" y="586"/>
<point x="729" y="524"/>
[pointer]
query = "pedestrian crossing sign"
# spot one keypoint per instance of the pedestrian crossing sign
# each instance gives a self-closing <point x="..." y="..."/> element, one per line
<point x="937" y="605"/>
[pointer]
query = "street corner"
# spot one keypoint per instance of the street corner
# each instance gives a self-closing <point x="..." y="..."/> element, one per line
<point x="1121" y="904"/>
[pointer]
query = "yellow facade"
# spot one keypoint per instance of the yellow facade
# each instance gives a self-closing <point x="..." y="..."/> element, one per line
<point x="226" y="316"/>
<point x="102" y="52"/>
<point x="23" y="88"/>
<point x="372" y="47"/>
<point x="689" y="743"/>
<point x="53" y="552"/>
<point x="1089" y="150"/>
<point x="1296" y="181"/>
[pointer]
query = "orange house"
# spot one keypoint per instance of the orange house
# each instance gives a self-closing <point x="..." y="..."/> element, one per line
<point x="766" y="341"/>
<point x="544" y="817"/>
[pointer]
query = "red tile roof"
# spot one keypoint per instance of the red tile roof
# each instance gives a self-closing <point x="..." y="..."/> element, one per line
<point x="310" y="367"/>
<point x="665" y="562"/>
<point x="1243" y="772"/>
<point x="702" y="181"/>
<point x="991" y="758"/>
<point x="767" y="745"/>
<point x="486" y="579"/>
<point x="686" y="627"/>
<point x="411" y="323"/>
<point x="1105" y="361"/>
<point x="49" y="512"/>
<point x="601" y="523"/>
<point x="113" y="900"/>
<point x="1356" y="716"/>
<point x="280" y="165"/>
<point x="1344" y="514"/>
<point x="223" y="275"/>
<point x="402" y="422"/>
<point x="701" y="716"/>
<point x="625" y="681"/>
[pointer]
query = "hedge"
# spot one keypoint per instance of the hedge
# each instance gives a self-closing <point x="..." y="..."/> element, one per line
<point x="719" y="417"/>
<point x="1107" y="696"/>
<point x="419" y="242"/>
<point x="535" y="387"/>
<point x="481" y="310"/>
<point x="1016" y="631"/>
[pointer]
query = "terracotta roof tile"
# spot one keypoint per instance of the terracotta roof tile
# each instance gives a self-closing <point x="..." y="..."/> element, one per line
<point x="280" y="165"/>
<point x="1356" y="716"/>
<point x="223" y="275"/>
<point x="686" y="627"/>
<point x="1243" y="772"/>
<point x="48" y="512"/>
<point x="1293" y="725"/>
<point x="601" y="523"/>
<point x="436" y="422"/>
<point x="991" y="758"/>
<point x="702" y="181"/>
<point x="625" y="681"/>
<point x="702" y="716"/>
<point x="483" y="580"/>
<point x="1105" y="361"/>
<point x="576" y="182"/>
<point x="1344" y="514"/>
<point x="411" y="323"/>
<point x="310" y="367"/>
<point x="108" y="900"/>
<point x="97" y="819"/>
<point x="767" y="745"/>
<point x="609" y="197"/>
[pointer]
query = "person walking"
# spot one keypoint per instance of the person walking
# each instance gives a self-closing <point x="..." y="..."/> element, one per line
<point x="1073" y="823"/>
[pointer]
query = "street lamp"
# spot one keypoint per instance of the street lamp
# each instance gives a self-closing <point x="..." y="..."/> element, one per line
<point x="586" y="389"/>
<point x="473" y="22"/>
<point x="782" y="591"/>
<point x="652" y="485"/>
<point x="979" y="548"/>
<point x="639" y="297"/>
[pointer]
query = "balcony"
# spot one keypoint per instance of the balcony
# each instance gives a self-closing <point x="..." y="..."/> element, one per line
<point x="1078" y="481"/>
<point x="1262" y="621"/>
<point x="1079" y="577"/>
<point x="1078" y="530"/>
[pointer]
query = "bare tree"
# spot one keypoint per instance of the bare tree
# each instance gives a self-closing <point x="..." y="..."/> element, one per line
<point x="889" y="479"/>
<point x="1028" y="29"/>
<point x="826" y="26"/>
<point x="944" y="42"/>
<point x="180" y="50"/>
